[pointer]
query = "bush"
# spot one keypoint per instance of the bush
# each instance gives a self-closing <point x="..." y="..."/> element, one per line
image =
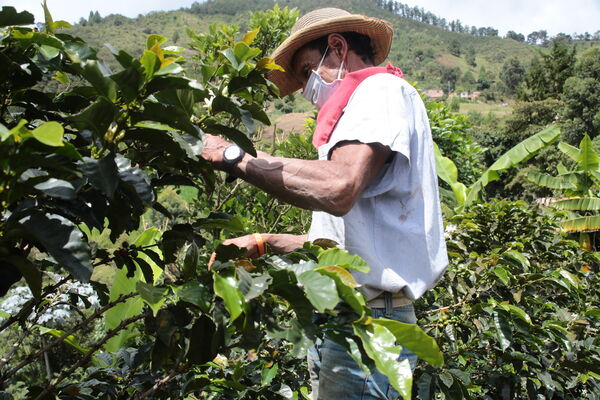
<point x="516" y="313"/>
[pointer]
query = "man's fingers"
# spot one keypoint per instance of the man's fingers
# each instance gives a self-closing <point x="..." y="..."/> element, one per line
<point x="211" y="261"/>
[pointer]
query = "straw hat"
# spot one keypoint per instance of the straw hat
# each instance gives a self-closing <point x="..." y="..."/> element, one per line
<point x="322" y="22"/>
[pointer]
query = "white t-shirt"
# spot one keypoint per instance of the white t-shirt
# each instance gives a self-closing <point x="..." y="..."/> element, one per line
<point x="396" y="224"/>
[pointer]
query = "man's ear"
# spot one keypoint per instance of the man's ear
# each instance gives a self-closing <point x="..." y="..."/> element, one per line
<point x="338" y="46"/>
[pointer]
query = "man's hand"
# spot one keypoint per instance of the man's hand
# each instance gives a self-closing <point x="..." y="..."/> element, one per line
<point x="213" y="150"/>
<point x="247" y="242"/>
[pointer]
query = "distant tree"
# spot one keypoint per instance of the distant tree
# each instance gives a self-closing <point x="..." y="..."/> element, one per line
<point x="454" y="48"/>
<point x="470" y="56"/>
<point x="563" y="37"/>
<point x="485" y="79"/>
<point x="175" y="36"/>
<point x="512" y="75"/>
<point x="91" y="18"/>
<point x="468" y="81"/>
<point x="581" y="95"/>
<point x="449" y="77"/>
<point x="547" y="75"/>
<point x="519" y="37"/>
<point x="82" y="21"/>
<point x="538" y="38"/>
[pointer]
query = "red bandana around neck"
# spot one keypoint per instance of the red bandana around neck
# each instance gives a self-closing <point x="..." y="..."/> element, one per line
<point x="333" y="109"/>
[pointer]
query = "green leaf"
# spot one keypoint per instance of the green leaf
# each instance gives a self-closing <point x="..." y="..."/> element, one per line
<point x="62" y="77"/>
<point x="153" y="296"/>
<point x="57" y="188"/>
<point x="70" y="340"/>
<point x="190" y="261"/>
<point x="517" y="154"/>
<point x="552" y="182"/>
<point x="226" y="289"/>
<point x="170" y="69"/>
<point x="61" y="25"/>
<point x="50" y="133"/>
<point x="49" y="52"/>
<point x="104" y="85"/>
<point x="32" y="274"/>
<point x="344" y="259"/>
<point x="321" y="290"/>
<point x="154" y="39"/>
<point x="257" y="113"/>
<point x="63" y="240"/>
<point x="48" y="17"/>
<point x="244" y="52"/>
<point x="582" y="224"/>
<point x="414" y="339"/>
<point x="221" y="221"/>
<point x="150" y="63"/>
<point x="122" y="285"/>
<point x="588" y="159"/>
<point x="224" y="104"/>
<point x="129" y="81"/>
<point x="135" y="177"/>
<point x="502" y="274"/>
<point x="9" y="16"/>
<point x="203" y="341"/>
<point x="571" y="151"/>
<point x="517" y="257"/>
<point x="252" y="287"/>
<point x="267" y="374"/>
<point x="516" y="311"/>
<point x="346" y="285"/>
<point x="237" y="136"/>
<point x="578" y="204"/>
<point x="196" y="294"/>
<point x="503" y="331"/>
<point x="230" y="56"/>
<point x="268" y="64"/>
<point x="103" y="174"/>
<point x="249" y="37"/>
<point x="379" y="344"/>
<point x="97" y="117"/>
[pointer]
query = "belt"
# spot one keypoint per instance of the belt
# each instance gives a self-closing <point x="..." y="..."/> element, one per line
<point x="397" y="300"/>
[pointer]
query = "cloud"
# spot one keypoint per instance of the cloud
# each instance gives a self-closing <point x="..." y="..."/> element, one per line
<point x="523" y="16"/>
<point x="518" y="15"/>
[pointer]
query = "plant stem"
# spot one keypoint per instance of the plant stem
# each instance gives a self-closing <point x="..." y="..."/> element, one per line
<point x="28" y="307"/>
<point x="113" y="332"/>
<point x="56" y="341"/>
<point x="163" y="381"/>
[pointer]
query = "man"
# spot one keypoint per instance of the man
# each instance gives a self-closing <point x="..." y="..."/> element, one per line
<point x="373" y="189"/>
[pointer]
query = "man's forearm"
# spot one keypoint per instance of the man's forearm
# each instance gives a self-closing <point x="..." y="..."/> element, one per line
<point x="284" y="243"/>
<point x="309" y="184"/>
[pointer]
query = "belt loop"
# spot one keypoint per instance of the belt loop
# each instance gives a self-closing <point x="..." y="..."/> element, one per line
<point x="389" y="307"/>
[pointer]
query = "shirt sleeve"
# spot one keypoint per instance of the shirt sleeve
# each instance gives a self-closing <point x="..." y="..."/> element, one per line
<point x="379" y="111"/>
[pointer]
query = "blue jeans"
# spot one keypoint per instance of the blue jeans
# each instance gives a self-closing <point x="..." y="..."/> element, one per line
<point x="336" y="376"/>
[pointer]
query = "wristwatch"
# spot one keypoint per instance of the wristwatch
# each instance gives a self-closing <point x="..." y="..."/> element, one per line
<point x="231" y="156"/>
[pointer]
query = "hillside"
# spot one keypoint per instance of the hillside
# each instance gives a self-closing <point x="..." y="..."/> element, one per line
<point x="421" y="50"/>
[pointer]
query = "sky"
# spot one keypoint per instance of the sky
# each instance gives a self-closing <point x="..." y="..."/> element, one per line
<point x="522" y="16"/>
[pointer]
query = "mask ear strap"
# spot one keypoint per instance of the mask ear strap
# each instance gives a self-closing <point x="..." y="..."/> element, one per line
<point x="323" y="58"/>
<point x="340" y="70"/>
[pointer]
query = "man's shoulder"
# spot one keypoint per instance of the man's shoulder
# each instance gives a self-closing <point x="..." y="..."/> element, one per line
<point x="381" y="83"/>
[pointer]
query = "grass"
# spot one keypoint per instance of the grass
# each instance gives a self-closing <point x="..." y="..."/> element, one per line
<point x="498" y="110"/>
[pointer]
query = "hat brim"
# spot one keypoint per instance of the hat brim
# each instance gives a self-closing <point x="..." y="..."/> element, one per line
<point x="379" y="31"/>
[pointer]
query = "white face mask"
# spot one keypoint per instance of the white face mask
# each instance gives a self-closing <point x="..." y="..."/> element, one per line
<point x="317" y="91"/>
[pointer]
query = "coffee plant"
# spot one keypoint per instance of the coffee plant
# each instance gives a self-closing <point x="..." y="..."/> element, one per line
<point x="85" y="153"/>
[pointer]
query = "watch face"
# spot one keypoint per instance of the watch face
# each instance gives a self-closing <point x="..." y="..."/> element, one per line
<point x="232" y="152"/>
